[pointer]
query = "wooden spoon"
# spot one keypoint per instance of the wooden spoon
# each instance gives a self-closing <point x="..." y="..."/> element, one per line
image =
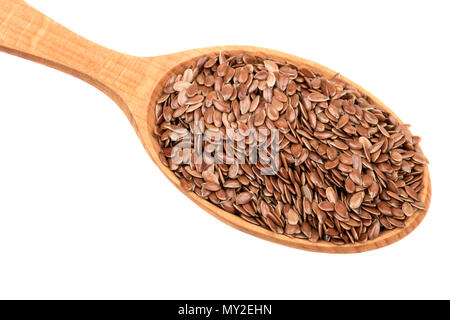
<point x="135" y="83"/>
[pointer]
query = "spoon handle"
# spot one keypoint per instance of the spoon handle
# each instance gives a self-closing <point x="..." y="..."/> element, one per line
<point x="27" y="33"/>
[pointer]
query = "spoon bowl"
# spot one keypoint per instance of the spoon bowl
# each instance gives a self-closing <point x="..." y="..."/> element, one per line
<point x="135" y="84"/>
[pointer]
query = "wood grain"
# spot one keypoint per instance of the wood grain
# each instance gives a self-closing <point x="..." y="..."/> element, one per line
<point x="135" y="84"/>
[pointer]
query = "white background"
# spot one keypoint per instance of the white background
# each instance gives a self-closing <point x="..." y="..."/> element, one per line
<point x="84" y="212"/>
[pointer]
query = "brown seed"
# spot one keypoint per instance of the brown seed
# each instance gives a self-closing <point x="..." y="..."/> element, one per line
<point x="384" y="208"/>
<point x="420" y="158"/>
<point x="367" y="180"/>
<point x="357" y="163"/>
<point x="270" y="82"/>
<point x="419" y="205"/>
<point x="281" y="124"/>
<point x="242" y="75"/>
<point x="370" y="118"/>
<point x="243" y="198"/>
<point x="350" y="186"/>
<point x="317" y="97"/>
<point x="221" y="195"/>
<point x="254" y="104"/>
<point x="222" y="69"/>
<point x="279" y="95"/>
<point x="232" y="184"/>
<point x="334" y="111"/>
<point x="339" y="144"/>
<point x="290" y="114"/>
<point x="374" y="230"/>
<point x="233" y="171"/>
<point x="407" y="209"/>
<point x="265" y="209"/>
<point x="245" y="105"/>
<point x="209" y="176"/>
<point x="314" y="235"/>
<point x="355" y="176"/>
<point x="221" y="106"/>
<point x="244" y="180"/>
<point x="179" y="112"/>
<point x="412" y="193"/>
<point x="332" y="153"/>
<point x="211" y="186"/>
<point x="366" y="146"/>
<point x="331" y="195"/>
<point x="270" y="65"/>
<point x="261" y="75"/>
<point x="260" y="117"/>
<point x="342" y="121"/>
<point x="227" y="91"/>
<point x="315" y="179"/>
<point x="291" y="229"/>
<point x="210" y="62"/>
<point x="396" y="156"/>
<point x="373" y="190"/>
<point x="346" y="159"/>
<point x="326" y="206"/>
<point x="272" y="112"/>
<point x="332" y="232"/>
<point x="331" y="164"/>
<point x="186" y="185"/>
<point x="385" y="223"/>
<point x="229" y="75"/>
<point x="341" y="209"/>
<point x="395" y="222"/>
<point x="321" y="133"/>
<point x="292" y="217"/>
<point x="398" y="212"/>
<point x="296" y="150"/>
<point x="306" y="229"/>
<point x="356" y="200"/>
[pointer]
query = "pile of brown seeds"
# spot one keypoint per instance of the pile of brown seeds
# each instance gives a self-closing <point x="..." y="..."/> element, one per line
<point x="348" y="170"/>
